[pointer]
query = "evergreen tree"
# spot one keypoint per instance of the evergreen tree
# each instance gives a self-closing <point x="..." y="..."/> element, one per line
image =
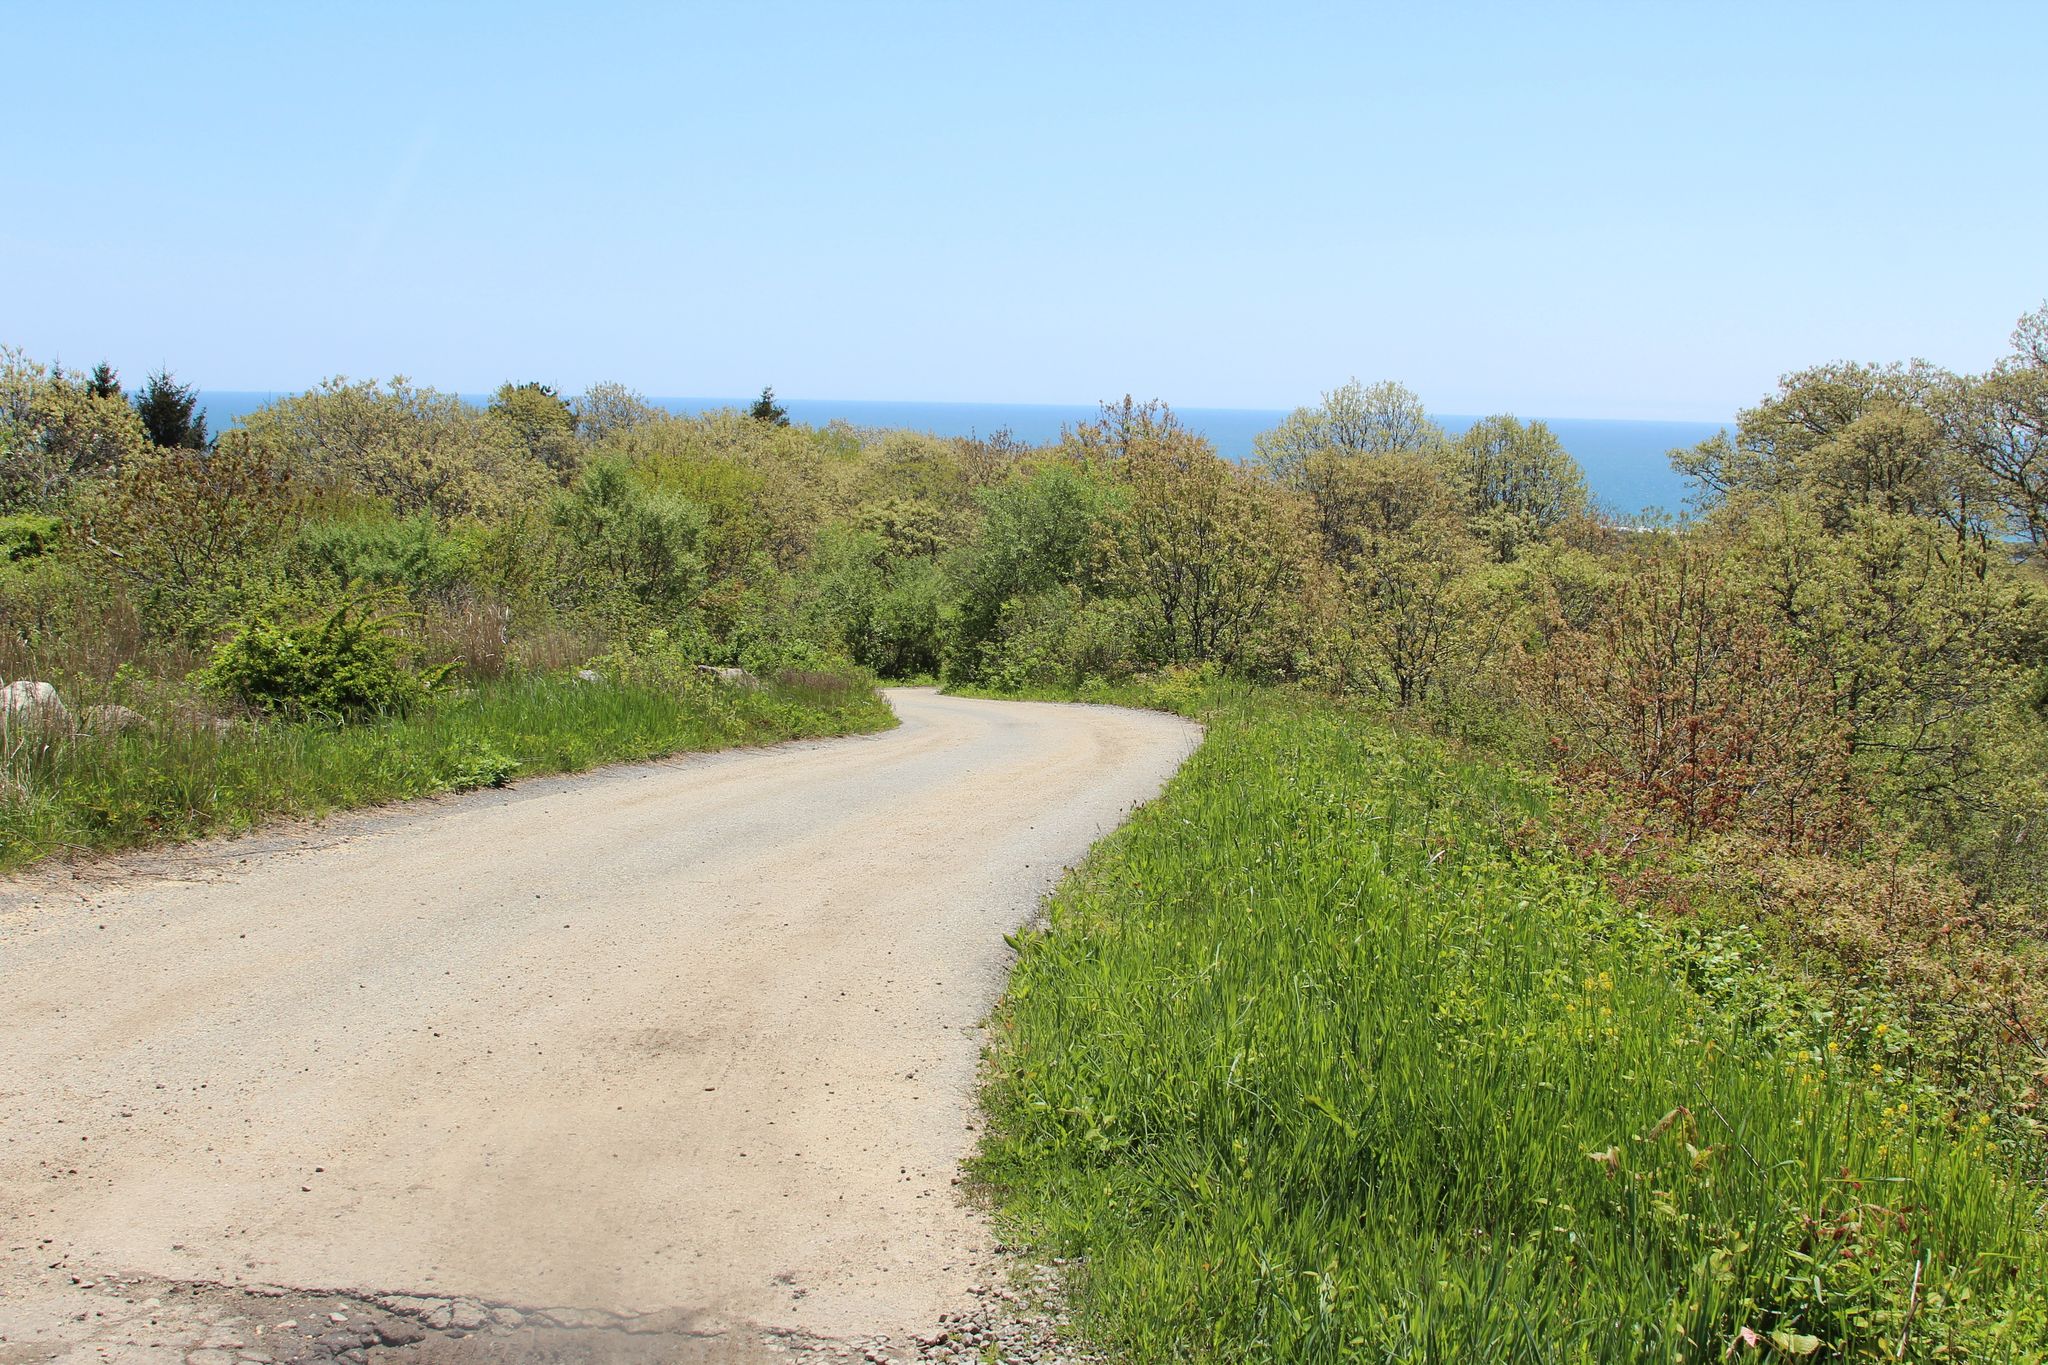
<point x="104" y="382"/>
<point x="766" y="409"/>
<point x="169" y="412"/>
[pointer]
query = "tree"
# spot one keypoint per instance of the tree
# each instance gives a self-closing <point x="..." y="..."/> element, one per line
<point x="1518" y="482"/>
<point x="1202" y="551"/>
<point x="1849" y="437"/>
<point x="2000" y="424"/>
<point x="987" y="461"/>
<point x="1680" y="697"/>
<point x="184" y="528"/>
<point x="766" y="409"/>
<point x="1038" y="534"/>
<point x="603" y="410"/>
<point x="632" y="553"/>
<point x="911" y="465"/>
<point x="1402" y="559"/>
<point x="419" y="450"/>
<point x="1122" y="427"/>
<point x="1921" y="634"/>
<point x="881" y="608"/>
<point x="170" y="413"/>
<point x="542" y="422"/>
<point x="54" y="434"/>
<point x="1384" y="419"/>
<point x="1361" y="443"/>
<point x="1414" y="619"/>
<point x="103" y="382"/>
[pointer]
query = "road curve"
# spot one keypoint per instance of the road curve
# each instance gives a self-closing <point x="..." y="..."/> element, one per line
<point x="695" y="1037"/>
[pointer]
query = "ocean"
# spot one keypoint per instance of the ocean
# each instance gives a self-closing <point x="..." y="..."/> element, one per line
<point x="1626" y="462"/>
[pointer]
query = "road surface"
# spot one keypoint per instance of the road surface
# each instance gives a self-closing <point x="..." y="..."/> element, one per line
<point x="686" y="1047"/>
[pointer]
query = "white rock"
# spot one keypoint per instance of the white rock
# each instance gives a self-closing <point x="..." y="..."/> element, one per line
<point x="29" y="702"/>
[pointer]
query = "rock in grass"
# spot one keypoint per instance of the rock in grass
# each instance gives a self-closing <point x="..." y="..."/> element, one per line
<point x="589" y="675"/>
<point x="110" y="720"/>
<point x="33" y="704"/>
<point x="737" y="677"/>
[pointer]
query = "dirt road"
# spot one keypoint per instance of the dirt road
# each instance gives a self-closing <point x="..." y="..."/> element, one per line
<point x="678" y="1052"/>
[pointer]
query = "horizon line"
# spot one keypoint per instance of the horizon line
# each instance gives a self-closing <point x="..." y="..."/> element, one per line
<point x="712" y="400"/>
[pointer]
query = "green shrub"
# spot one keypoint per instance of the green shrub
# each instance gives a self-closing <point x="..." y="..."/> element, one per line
<point x="346" y="666"/>
<point x="381" y="552"/>
<point x="24" y="535"/>
<point x="629" y="553"/>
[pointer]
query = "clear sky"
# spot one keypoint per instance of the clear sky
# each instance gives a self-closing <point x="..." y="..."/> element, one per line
<point x="1643" y="210"/>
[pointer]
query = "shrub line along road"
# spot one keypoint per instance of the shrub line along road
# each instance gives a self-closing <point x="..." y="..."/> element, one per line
<point x="694" y="1038"/>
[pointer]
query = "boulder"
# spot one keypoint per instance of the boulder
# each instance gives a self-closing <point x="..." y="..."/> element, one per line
<point x="32" y="704"/>
<point x="109" y="720"/>
<point x="737" y="677"/>
<point x="589" y="675"/>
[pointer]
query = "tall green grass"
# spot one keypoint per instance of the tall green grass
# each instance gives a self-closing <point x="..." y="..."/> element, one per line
<point x="179" y="780"/>
<point x="1314" y="1065"/>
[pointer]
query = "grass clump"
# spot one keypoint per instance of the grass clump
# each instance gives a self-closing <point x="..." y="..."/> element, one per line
<point x="180" y="778"/>
<point x="1317" y="1061"/>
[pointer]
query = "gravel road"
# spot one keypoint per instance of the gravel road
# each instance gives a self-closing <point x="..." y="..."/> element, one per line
<point x="678" y="1056"/>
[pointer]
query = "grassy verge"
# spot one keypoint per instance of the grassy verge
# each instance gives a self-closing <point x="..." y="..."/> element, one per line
<point x="181" y="781"/>
<point x="1318" y="1062"/>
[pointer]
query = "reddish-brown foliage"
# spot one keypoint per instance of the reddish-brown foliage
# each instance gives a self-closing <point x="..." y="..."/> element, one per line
<point x="1678" y="700"/>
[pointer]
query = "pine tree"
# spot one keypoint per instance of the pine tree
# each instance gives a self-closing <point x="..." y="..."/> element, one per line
<point x="766" y="409"/>
<point x="104" y="382"/>
<point x="169" y="412"/>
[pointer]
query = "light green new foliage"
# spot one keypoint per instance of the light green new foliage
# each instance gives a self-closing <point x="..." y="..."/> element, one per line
<point x="1315" y="1063"/>
<point x="1518" y="482"/>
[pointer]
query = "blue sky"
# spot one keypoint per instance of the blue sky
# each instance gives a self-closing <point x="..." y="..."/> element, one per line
<point x="1628" y="211"/>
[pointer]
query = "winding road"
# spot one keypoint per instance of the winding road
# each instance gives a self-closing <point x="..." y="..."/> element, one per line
<point x="681" y="1052"/>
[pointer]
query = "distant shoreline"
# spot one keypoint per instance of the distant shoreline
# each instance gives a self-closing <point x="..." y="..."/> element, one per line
<point x="1625" y="459"/>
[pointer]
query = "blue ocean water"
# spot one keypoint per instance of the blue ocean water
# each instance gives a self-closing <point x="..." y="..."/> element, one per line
<point x="1627" y="463"/>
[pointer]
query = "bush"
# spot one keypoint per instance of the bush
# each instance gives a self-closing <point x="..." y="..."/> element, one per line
<point x="346" y="666"/>
<point x="25" y="535"/>
<point x="382" y="552"/>
<point x="630" y="554"/>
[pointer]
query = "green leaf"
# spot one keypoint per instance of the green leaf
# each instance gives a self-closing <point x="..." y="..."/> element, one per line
<point x="1795" y="1343"/>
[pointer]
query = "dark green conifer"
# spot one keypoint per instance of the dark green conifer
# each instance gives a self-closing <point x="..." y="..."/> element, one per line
<point x="169" y="412"/>
<point x="766" y="409"/>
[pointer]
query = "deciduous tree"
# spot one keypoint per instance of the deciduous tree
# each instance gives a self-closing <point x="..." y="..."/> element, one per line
<point x="543" y="423"/>
<point x="54" y="434"/>
<point x="1202" y="550"/>
<point x="185" y="530"/>
<point x="1518" y="482"/>
<point x="418" y="450"/>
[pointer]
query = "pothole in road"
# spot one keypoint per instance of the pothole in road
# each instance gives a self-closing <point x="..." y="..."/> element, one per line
<point x="134" y="1320"/>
